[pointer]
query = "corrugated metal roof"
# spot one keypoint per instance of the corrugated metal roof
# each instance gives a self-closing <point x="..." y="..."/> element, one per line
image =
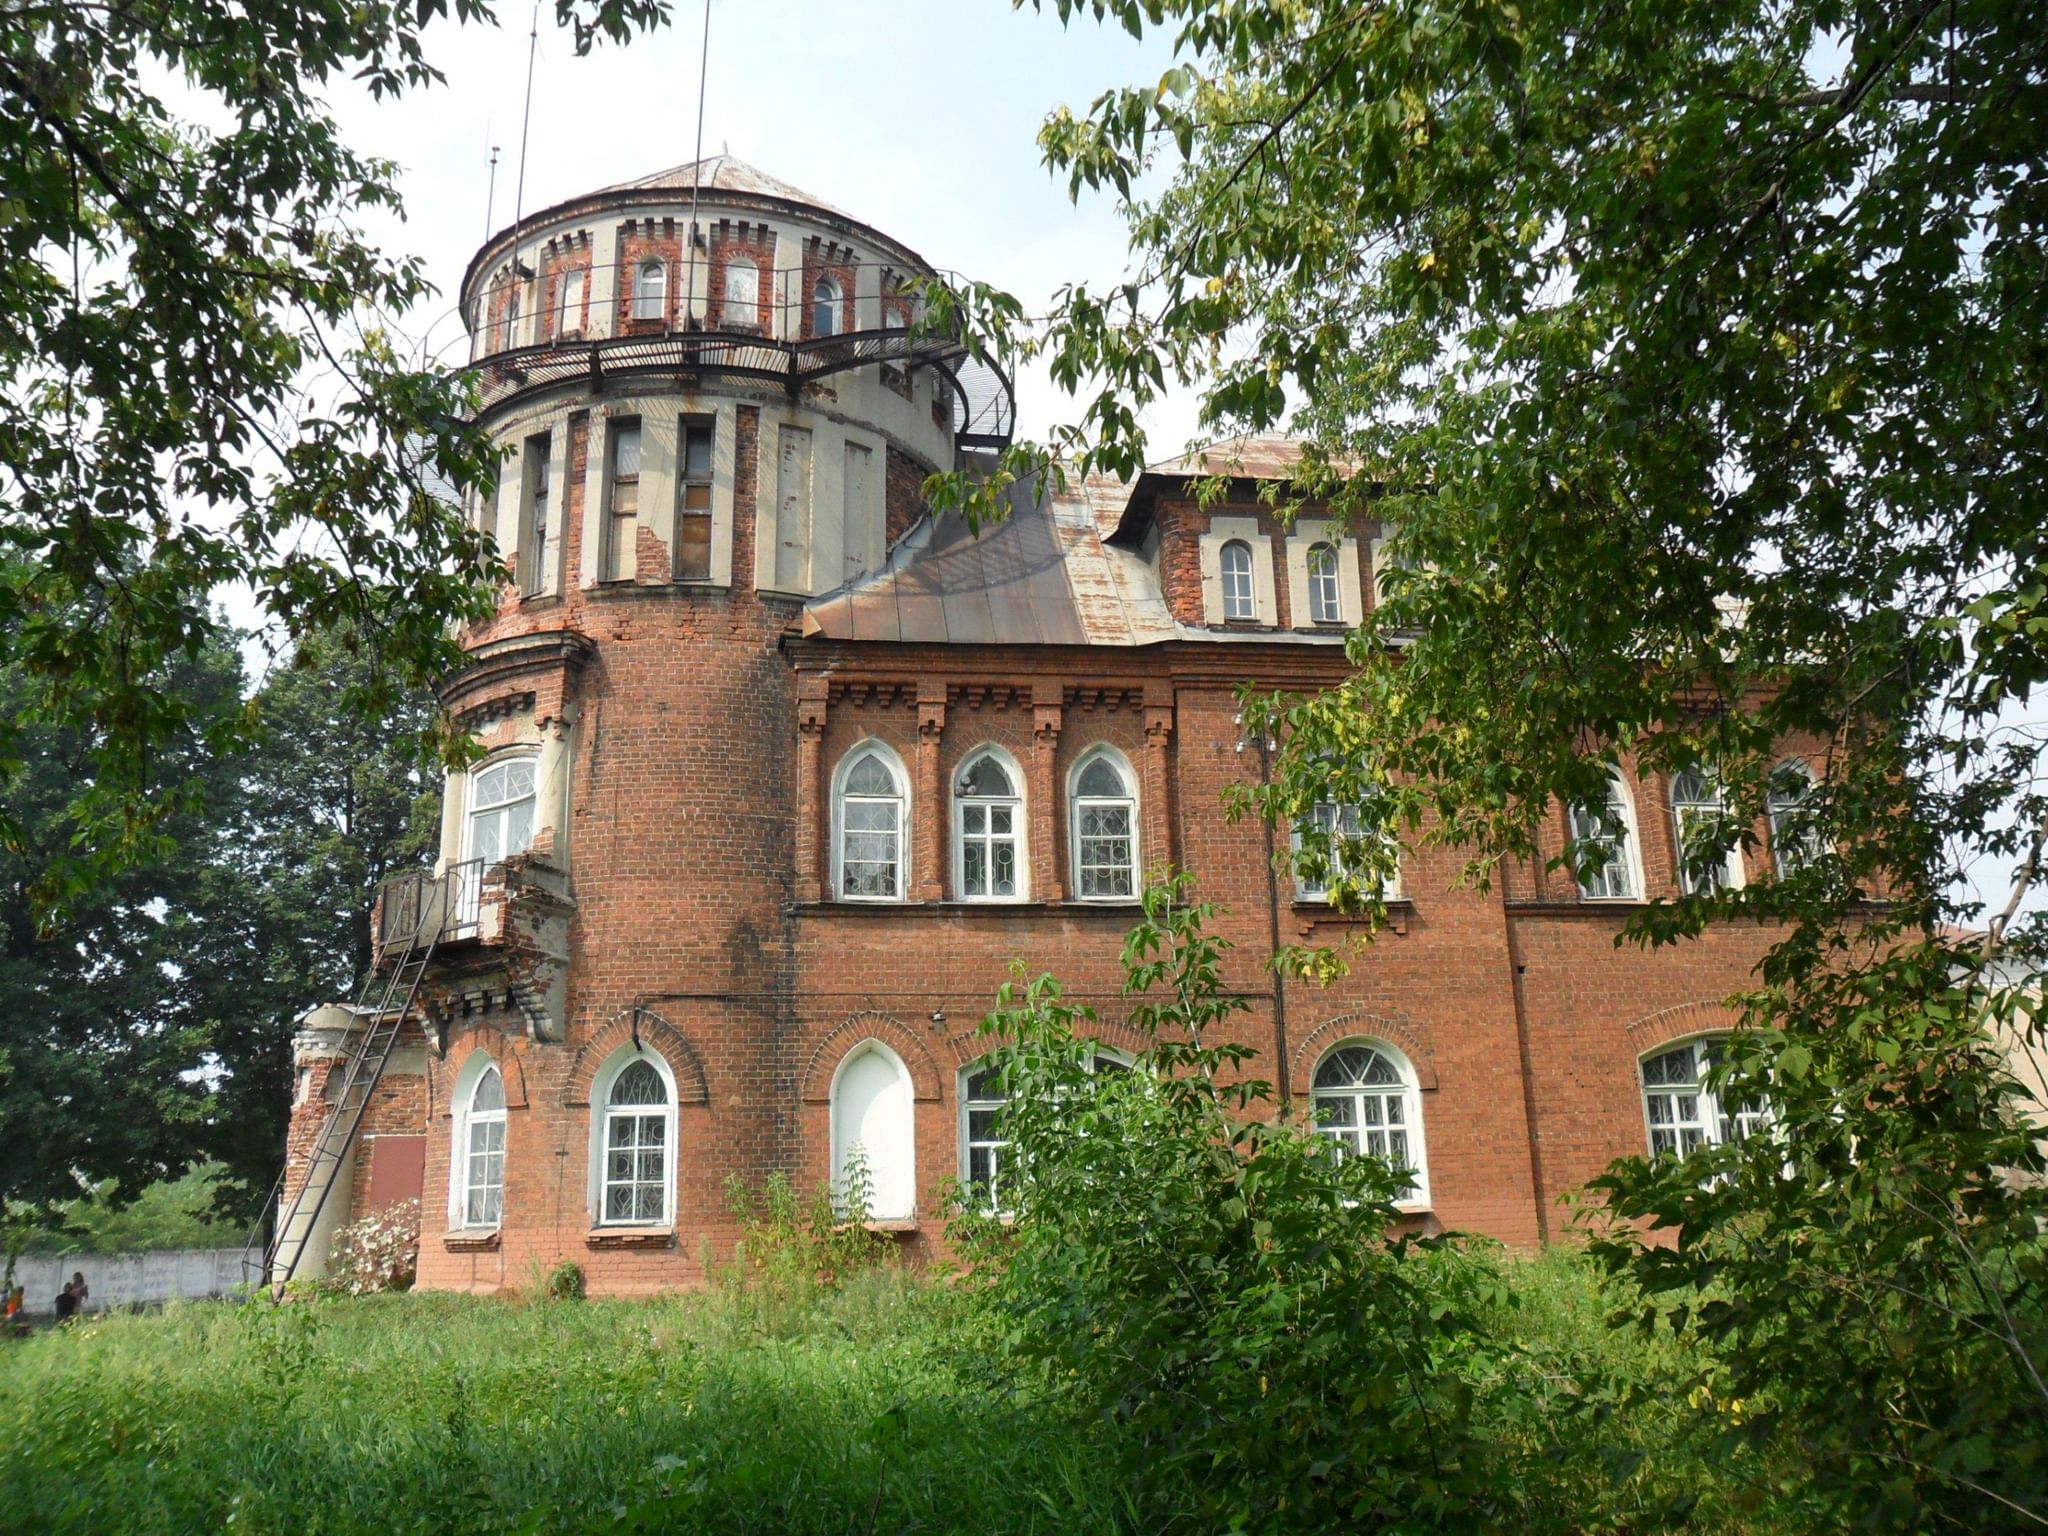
<point x="724" y="173"/>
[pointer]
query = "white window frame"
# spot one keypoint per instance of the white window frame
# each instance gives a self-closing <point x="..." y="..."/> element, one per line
<point x="1699" y="801"/>
<point x="1790" y="853"/>
<point x="602" y="1116"/>
<point x="1077" y="804"/>
<point x="569" y="302"/>
<point x="1710" y="1119"/>
<point x="731" y="298"/>
<point x="837" y="1129"/>
<point x="1356" y="1136"/>
<point x="471" y="810"/>
<point x="650" y="300"/>
<point x="1240" y="600"/>
<point x="479" y="1069"/>
<point x="1325" y="591"/>
<point x="886" y="755"/>
<point x="1020" y="850"/>
<point x="1581" y="825"/>
<point x="1344" y="822"/>
<point x="997" y="1146"/>
<point x="826" y="300"/>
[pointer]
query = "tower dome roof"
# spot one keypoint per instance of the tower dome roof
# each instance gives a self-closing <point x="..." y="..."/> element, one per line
<point x="723" y="172"/>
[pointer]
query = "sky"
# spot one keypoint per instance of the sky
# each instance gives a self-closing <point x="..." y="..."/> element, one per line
<point x="919" y="117"/>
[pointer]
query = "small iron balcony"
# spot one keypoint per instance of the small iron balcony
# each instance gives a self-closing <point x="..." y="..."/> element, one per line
<point x="420" y="906"/>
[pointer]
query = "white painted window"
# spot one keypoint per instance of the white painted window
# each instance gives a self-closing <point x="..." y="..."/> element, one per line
<point x="508" y="336"/>
<point x="650" y="290"/>
<point x="480" y="1170"/>
<point x="569" y="313"/>
<point x="1235" y="564"/>
<point x="988" y="829"/>
<point x="622" y="501"/>
<point x="1699" y="813"/>
<point x="742" y="305"/>
<point x="1325" y="597"/>
<point x="1682" y="1112"/>
<point x="1337" y="824"/>
<point x="501" y="805"/>
<point x="693" y="509"/>
<point x="870" y="853"/>
<point x="1795" y="841"/>
<point x="639" y="1133"/>
<point x="1365" y="1099"/>
<point x="986" y="1168"/>
<point x="825" y="301"/>
<point x="874" y="1138"/>
<point x="1603" y="846"/>
<point x="1105" y="827"/>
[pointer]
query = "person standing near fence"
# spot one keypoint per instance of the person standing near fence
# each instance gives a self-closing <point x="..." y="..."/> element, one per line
<point x="67" y="1303"/>
<point x="78" y="1289"/>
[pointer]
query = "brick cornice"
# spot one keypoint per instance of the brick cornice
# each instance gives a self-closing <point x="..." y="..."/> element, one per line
<point x="1682" y="1021"/>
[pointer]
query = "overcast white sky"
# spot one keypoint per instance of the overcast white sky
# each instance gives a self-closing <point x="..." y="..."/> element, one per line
<point x="919" y="117"/>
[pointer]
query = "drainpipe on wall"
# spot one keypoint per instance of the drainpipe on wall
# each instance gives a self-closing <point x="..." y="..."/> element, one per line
<point x="1526" y="1058"/>
<point x="1273" y="935"/>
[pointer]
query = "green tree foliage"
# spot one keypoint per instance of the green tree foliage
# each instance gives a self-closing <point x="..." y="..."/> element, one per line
<point x="198" y="380"/>
<point x="151" y="1024"/>
<point x="1696" y="356"/>
<point x="176" y="1213"/>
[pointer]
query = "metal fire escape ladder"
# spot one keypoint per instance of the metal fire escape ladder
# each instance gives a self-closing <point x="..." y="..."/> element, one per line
<point x="299" y="1218"/>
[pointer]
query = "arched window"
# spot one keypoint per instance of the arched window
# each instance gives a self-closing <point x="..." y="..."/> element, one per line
<point x="650" y="290"/>
<point x="1325" y="600"/>
<point x="825" y="308"/>
<point x="1105" y="828"/>
<point x="1699" y="816"/>
<point x="870" y="851"/>
<point x="988" y="829"/>
<point x="742" y="305"/>
<point x="569" y="313"/>
<point x="508" y="337"/>
<point x="1235" y="564"/>
<point x="1604" y="847"/>
<point x="874" y="1136"/>
<point x="479" y="1152"/>
<point x="985" y="1166"/>
<point x="636" y="1166"/>
<point x="1682" y="1112"/>
<point x="1795" y="840"/>
<point x="1365" y="1100"/>
<point x="501" y="801"/>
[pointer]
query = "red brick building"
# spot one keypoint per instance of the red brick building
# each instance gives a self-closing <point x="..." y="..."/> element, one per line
<point x="781" y="774"/>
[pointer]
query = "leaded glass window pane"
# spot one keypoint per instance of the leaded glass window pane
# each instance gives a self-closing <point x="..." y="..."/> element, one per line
<point x="1359" y="1099"/>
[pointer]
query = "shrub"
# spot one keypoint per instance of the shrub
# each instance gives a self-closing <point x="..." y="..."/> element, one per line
<point x="377" y="1252"/>
<point x="564" y="1282"/>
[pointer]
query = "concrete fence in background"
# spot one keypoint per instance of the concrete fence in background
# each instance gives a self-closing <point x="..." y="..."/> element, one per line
<point x="119" y="1280"/>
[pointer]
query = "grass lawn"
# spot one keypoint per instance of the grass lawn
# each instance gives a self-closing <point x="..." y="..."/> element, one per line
<point x="862" y="1411"/>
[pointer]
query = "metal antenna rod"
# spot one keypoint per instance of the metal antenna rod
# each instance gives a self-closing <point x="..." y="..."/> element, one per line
<point x="697" y="160"/>
<point x="491" y="192"/>
<point x="525" y="119"/>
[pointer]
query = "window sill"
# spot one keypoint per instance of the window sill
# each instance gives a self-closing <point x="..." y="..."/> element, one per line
<point x="612" y="590"/>
<point x="1581" y="905"/>
<point x="1122" y="907"/>
<point x="471" y="1240"/>
<point x="630" y="1237"/>
<point x="901" y="1226"/>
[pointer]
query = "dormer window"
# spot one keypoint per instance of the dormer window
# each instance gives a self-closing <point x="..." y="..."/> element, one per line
<point x="1239" y="602"/>
<point x="742" y="306"/>
<point x="825" y="299"/>
<point x="650" y="290"/>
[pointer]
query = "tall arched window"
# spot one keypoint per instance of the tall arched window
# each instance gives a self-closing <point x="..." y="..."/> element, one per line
<point x="1235" y="566"/>
<point x="479" y="1151"/>
<point x="1325" y="600"/>
<point x="501" y="802"/>
<point x="1105" y="823"/>
<point x="636" y="1169"/>
<point x="742" y="302"/>
<point x="825" y="298"/>
<point x="1604" y="847"/>
<point x="870" y="850"/>
<point x="988" y="829"/>
<point x="1699" y="814"/>
<point x="874" y="1136"/>
<point x="650" y="290"/>
<point x="1682" y="1112"/>
<point x="508" y="337"/>
<point x="1795" y="841"/>
<point x="1365" y="1099"/>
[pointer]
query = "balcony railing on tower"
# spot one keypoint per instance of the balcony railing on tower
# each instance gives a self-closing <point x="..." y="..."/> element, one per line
<point x="419" y="905"/>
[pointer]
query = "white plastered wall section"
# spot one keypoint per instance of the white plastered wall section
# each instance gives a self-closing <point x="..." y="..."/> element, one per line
<point x="556" y="749"/>
<point x="661" y="419"/>
<point x="515" y="494"/>
<point x="1222" y="530"/>
<point x="1306" y="534"/>
<point x="842" y="538"/>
